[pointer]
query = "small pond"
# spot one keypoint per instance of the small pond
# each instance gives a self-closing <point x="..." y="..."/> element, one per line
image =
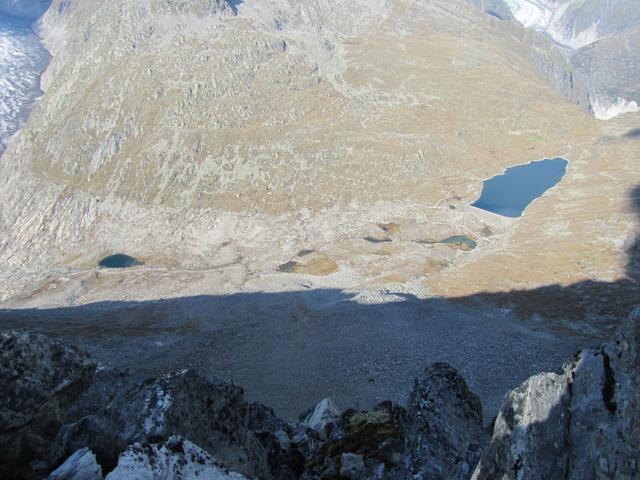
<point x="119" y="260"/>
<point x="461" y="241"/>
<point x="510" y="193"/>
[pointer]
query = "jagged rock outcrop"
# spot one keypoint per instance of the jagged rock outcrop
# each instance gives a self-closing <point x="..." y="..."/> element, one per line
<point x="118" y="413"/>
<point x="448" y="436"/>
<point x="82" y="465"/>
<point x="438" y="436"/>
<point x="39" y="379"/>
<point x="176" y="458"/>
<point x="319" y="417"/>
<point x="599" y="40"/>
<point x="548" y="59"/>
<point x="214" y="415"/>
<point x="611" y="67"/>
<point x="582" y="423"/>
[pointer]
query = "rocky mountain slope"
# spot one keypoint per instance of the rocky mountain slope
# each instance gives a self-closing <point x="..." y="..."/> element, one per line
<point x="202" y="137"/>
<point x="611" y="69"/>
<point x="576" y="23"/>
<point x="599" y="37"/>
<point x="60" y="414"/>
<point x="287" y="174"/>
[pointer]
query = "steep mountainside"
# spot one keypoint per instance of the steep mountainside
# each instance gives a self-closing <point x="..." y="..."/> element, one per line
<point x="196" y="134"/>
<point x="576" y="23"/>
<point x="292" y="180"/>
<point x="600" y="37"/>
<point x="612" y="67"/>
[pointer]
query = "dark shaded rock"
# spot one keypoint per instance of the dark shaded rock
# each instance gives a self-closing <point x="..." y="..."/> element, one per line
<point x="370" y="433"/>
<point x="119" y="410"/>
<point x="93" y="420"/>
<point x="93" y="432"/>
<point x="57" y="411"/>
<point x="439" y="436"/>
<point x="351" y="465"/>
<point x="579" y="424"/>
<point x="321" y="416"/>
<point x="213" y="415"/>
<point x="39" y="378"/>
<point x="446" y="436"/>
<point x="370" y="442"/>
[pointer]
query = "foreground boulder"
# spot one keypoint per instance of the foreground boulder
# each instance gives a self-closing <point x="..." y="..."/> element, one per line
<point x="82" y="465"/>
<point x="447" y="434"/>
<point x="39" y="379"/>
<point x="174" y="459"/>
<point x="213" y="415"/>
<point x="583" y="423"/>
<point x="321" y="416"/>
<point x="438" y="436"/>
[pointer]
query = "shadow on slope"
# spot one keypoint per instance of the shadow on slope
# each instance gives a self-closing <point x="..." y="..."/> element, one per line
<point x="593" y="307"/>
<point x="290" y="349"/>
<point x="633" y="133"/>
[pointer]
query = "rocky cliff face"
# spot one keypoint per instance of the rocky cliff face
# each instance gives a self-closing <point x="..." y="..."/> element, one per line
<point x="581" y="423"/>
<point x="563" y="76"/>
<point x="597" y="38"/>
<point x="39" y="380"/>
<point x="611" y="67"/>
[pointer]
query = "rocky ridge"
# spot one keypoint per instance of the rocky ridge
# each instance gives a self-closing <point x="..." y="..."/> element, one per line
<point x="72" y="420"/>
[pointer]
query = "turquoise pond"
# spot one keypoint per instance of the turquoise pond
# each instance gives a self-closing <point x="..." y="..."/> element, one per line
<point x="510" y="193"/>
<point x="461" y="240"/>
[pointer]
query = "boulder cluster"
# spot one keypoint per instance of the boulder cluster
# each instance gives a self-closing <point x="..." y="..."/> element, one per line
<point x="64" y="417"/>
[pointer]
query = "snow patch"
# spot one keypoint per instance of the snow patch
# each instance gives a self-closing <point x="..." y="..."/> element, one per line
<point x="82" y="465"/>
<point x="156" y="404"/>
<point x="604" y="110"/>
<point x="551" y="18"/>
<point x="577" y="39"/>
<point x="175" y="459"/>
<point x="22" y="58"/>
<point x="530" y="13"/>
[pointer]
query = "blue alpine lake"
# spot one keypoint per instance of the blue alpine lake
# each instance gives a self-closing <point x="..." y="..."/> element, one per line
<point x="510" y="193"/>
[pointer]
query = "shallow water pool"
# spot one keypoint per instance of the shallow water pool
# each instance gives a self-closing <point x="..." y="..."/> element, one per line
<point x="119" y="260"/>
